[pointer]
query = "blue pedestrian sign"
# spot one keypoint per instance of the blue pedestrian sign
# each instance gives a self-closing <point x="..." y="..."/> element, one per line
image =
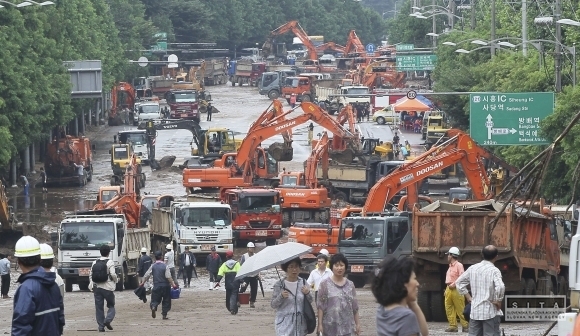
<point x="370" y="48"/>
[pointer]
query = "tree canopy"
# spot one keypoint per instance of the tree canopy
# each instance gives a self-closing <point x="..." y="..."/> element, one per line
<point x="36" y="40"/>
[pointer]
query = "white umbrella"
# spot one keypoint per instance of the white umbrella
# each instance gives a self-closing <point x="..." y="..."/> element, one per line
<point x="271" y="256"/>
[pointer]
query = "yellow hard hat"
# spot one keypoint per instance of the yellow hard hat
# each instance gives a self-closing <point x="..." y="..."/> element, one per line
<point x="27" y="246"/>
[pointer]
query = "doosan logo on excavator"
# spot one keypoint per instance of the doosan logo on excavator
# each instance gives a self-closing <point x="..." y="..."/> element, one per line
<point x="430" y="168"/>
<point x="285" y="125"/>
<point x="295" y="194"/>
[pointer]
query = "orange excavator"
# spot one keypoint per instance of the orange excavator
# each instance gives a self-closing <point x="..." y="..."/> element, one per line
<point x="279" y="151"/>
<point x="252" y="165"/>
<point x="295" y="28"/>
<point x="127" y="201"/>
<point x="460" y="148"/>
<point x="330" y="46"/>
<point x="122" y="97"/>
<point x="382" y="74"/>
<point x="303" y="199"/>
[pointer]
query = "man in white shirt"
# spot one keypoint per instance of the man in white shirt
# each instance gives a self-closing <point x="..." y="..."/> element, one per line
<point x="103" y="281"/>
<point x="319" y="274"/>
<point x="487" y="291"/>
<point x="169" y="259"/>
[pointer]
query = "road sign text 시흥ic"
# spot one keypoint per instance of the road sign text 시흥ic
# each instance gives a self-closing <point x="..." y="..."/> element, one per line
<point x="498" y="119"/>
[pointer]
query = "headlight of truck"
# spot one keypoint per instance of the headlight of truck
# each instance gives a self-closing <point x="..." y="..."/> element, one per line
<point x="186" y="241"/>
<point x="276" y="226"/>
<point x="226" y="241"/>
<point x="64" y="265"/>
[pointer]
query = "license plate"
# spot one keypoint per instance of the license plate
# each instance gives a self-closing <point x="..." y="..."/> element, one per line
<point x="84" y="271"/>
<point x="184" y="115"/>
<point x="261" y="233"/>
<point x="206" y="247"/>
<point x="357" y="268"/>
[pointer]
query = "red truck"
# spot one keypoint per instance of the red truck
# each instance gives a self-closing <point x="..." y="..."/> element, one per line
<point x="256" y="214"/>
<point x="183" y="104"/>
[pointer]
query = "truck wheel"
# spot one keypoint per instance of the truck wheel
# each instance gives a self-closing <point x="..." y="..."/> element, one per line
<point x="530" y="287"/>
<point x="133" y="282"/>
<point x="423" y="302"/>
<point x="285" y="219"/>
<point x="120" y="283"/>
<point x="437" y="309"/>
<point x="273" y="94"/>
<point x="68" y="285"/>
<point x="84" y="286"/>
<point x="270" y="242"/>
<point x="381" y="121"/>
<point x="340" y="196"/>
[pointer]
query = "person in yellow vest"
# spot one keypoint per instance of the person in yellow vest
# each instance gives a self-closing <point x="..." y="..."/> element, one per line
<point x="228" y="271"/>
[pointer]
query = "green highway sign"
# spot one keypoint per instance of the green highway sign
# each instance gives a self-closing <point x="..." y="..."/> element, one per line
<point x="161" y="36"/>
<point x="416" y="62"/>
<point x="404" y="47"/>
<point x="159" y="46"/>
<point x="498" y="119"/>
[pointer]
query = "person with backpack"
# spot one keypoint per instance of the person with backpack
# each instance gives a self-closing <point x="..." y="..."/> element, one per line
<point x="162" y="280"/>
<point x="228" y="270"/>
<point x="103" y="281"/>
<point x="38" y="305"/>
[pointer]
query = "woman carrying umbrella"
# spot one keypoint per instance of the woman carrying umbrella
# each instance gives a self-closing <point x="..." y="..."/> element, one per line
<point x="337" y="304"/>
<point x="288" y="301"/>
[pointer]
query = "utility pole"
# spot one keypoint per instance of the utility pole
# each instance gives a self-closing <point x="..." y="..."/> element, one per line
<point x="472" y="14"/>
<point x="524" y="27"/>
<point x="493" y="26"/>
<point x="450" y="13"/>
<point x="434" y="27"/>
<point x="558" y="56"/>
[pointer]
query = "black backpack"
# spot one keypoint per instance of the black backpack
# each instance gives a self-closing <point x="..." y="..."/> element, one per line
<point x="100" y="271"/>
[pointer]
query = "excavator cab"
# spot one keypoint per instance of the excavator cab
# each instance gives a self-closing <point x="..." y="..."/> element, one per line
<point x="292" y="179"/>
<point x="376" y="147"/>
<point x="108" y="193"/>
<point x="215" y="141"/>
<point x="120" y="158"/>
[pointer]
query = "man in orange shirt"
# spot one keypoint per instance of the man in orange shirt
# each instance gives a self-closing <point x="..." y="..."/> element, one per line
<point x="454" y="302"/>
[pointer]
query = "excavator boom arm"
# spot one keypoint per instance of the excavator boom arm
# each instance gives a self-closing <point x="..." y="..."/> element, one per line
<point x="319" y="152"/>
<point x="295" y="27"/>
<point x="460" y="149"/>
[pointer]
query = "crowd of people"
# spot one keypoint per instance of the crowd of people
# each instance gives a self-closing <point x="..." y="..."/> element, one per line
<point x="39" y="307"/>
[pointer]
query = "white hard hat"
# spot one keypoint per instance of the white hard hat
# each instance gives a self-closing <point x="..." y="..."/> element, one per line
<point x="46" y="252"/>
<point x="27" y="246"/>
<point x="454" y="251"/>
<point x="325" y="252"/>
<point x="144" y="250"/>
<point x="169" y="247"/>
<point x="250" y="244"/>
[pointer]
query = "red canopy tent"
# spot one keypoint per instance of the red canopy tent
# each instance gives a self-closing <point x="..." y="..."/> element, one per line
<point x="411" y="105"/>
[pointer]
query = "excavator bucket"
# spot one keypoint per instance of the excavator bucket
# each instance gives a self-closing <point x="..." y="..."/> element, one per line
<point x="344" y="156"/>
<point x="281" y="152"/>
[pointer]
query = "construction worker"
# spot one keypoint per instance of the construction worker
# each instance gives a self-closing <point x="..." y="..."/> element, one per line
<point x="454" y="302"/>
<point x="43" y="179"/>
<point x="253" y="280"/>
<point x="228" y="270"/>
<point x="38" y="305"/>
<point x="209" y="111"/>
<point x="188" y="262"/>
<point x="47" y="262"/>
<point x="145" y="262"/>
<point x="327" y="254"/>
<point x="170" y="261"/>
<point x="320" y="273"/>
<point x="213" y="263"/>
<point x="162" y="280"/>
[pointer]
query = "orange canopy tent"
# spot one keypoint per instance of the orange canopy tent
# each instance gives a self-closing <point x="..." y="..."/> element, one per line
<point x="406" y="104"/>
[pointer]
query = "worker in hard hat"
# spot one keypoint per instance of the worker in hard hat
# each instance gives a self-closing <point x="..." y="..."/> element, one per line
<point x="145" y="262"/>
<point x="47" y="261"/>
<point x="169" y="259"/>
<point x="454" y="302"/>
<point x="327" y="254"/>
<point x="38" y="305"/>
<point x="253" y="280"/>
<point x="228" y="270"/>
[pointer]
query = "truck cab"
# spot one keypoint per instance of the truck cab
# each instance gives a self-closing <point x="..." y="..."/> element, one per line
<point x="148" y="111"/>
<point x="271" y="83"/>
<point x="257" y="70"/>
<point x="183" y="104"/>
<point x="138" y="141"/>
<point x="256" y="214"/>
<point x="80" y="238"/>
<point x="301" y="86"/>
<point x="201" y="226"/>
<point x="366" y="241"/>
<point x="436" y="127"/>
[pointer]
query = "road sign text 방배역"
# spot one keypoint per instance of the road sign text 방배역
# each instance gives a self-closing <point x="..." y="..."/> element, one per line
<point x="498" y="119"/>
